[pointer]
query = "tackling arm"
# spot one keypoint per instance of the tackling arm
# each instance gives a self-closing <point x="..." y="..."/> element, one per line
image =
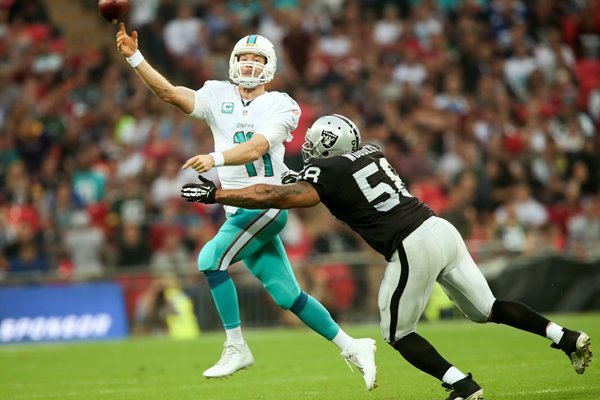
<point x="298" y="195"/>
<point x="179" y="96"/>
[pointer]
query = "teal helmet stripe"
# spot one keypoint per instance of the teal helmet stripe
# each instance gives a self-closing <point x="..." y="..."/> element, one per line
<point x="252" y="39"/>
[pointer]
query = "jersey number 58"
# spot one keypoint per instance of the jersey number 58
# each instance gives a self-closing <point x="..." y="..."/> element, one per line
<point x="393" y="186"/>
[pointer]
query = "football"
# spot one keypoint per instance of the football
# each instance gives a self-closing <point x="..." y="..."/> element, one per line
<point x="113" y="10"/>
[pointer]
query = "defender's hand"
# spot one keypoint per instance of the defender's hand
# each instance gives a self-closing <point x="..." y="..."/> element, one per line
<point x="127" y="45"/>
<point x="200" y="163"/>
<point x="199" y="192"/>
<point x="289" y="176"/>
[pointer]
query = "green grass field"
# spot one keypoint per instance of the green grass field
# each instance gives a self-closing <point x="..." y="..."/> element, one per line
<point x="296" y="363"/>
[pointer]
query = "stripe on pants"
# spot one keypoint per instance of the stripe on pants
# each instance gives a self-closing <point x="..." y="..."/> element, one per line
<point x="395" y="302"/>
<point x="253" y="229"/>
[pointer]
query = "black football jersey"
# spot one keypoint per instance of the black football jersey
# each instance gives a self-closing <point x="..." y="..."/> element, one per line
<point x="364" y="191"/>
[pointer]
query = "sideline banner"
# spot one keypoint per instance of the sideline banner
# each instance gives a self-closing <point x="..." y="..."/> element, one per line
<point x="93" y="311"/>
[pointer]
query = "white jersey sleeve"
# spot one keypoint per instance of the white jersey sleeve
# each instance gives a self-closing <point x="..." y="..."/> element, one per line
<point x="283" y="119"/>
<point x="202" y="106"/>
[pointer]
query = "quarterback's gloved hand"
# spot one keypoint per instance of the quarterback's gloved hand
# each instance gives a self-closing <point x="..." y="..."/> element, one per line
<point x="199" y="192"/>
<point x="289" y="176"/>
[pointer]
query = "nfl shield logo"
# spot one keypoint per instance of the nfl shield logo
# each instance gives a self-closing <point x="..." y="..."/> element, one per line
<point x="328" y="139"/>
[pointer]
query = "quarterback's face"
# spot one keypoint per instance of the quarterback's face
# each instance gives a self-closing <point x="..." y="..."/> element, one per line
<point x="254" y="64"/>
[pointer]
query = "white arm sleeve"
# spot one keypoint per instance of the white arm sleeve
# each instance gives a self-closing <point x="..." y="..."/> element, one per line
<point x="202" y="103"/>
<point x="278" y="127"/>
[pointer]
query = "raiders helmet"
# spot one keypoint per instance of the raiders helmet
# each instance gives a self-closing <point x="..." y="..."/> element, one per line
<point x="330" y="135"/>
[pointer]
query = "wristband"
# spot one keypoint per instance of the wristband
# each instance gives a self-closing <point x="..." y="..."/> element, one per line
<point x="218" y="157"/>
<point x="135" y="59"/>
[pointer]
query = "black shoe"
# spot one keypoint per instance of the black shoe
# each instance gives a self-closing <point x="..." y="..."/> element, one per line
<point x="465" y="389"/>
<point x="576" y="345"/>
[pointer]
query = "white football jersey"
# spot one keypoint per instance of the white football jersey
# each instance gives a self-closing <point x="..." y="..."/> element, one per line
<point x="274" y="115"/>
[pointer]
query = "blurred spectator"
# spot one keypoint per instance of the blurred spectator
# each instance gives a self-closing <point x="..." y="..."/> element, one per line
<point x="523" y="208"/>
<point x="465" y="97"/>
<point x="518" y="67"/>
<point x="388" y="29"/>
<point x="459" y="210"/>
<point x="85" y="245"/>
<point x="244" y="10"/>
<point x="29" y="11"/>
<point x="298" y="44"/>
<point x="142" y="12"/>
<point x="171" y="256"/>
<point x="425" y="23"/>
<point x="593" y="105"/>
<point x="29" y="259"/>
<point x="336" y="44"/>
<point x="130" y="206"/>
<point x="410" y="72"/>
<point x="561" y="211"/>
<point x="452" y="99"/>
<point x="514" y="235"/>
<point x="181" y="34"/>
<point x="584" y="229"/>
<point x="553" y="54"/>
<point x="16" y="183"/>
<point x="132" y="247"/>
<point x="24" y="252"/>
<point x="502" y="16"/>
<point x="62" y="205"/>
<point x="88" y="183"/>
<point x="168" y="184"/>
<point x="165" y="309"/>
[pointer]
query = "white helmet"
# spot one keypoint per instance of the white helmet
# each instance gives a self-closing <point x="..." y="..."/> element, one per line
<point x="254" y="44"/>
<point x="330" y="135"/>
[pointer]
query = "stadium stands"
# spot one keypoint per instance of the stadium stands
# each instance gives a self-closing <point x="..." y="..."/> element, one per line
<point x="485" y="107"/>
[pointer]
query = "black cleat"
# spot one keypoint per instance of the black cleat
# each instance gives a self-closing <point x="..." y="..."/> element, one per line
<point x="576" y="345"/>
<point x="465" y="389"/>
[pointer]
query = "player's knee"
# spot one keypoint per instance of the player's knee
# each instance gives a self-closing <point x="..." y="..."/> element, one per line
<point x="479" y="312"/>
<point x="203" y="267"/>
<point x="281" y="296"/>
<point x="479" y="317"/>
<point x="206" y="264"/>
<point x="397" y="338"/>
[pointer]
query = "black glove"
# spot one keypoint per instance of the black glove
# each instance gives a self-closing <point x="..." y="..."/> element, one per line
<point x="289" y="176"/>
<point x="199" y="192"/>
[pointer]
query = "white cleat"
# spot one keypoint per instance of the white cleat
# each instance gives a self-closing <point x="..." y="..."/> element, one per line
<point x="576" y="345"/>
<point x="233" y="358"/>
<point x="362" y="354"/>
<point x="582" y="356"/>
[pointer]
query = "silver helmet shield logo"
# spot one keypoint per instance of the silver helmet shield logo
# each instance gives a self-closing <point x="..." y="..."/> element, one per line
<point x="328" y="139"/>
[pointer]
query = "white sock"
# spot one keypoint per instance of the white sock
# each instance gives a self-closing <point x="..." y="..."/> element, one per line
<point x="452" y="376"/>
<point x="554" y="332"/>
<point x="342" y="340"/>
<point x="235" y="335"/>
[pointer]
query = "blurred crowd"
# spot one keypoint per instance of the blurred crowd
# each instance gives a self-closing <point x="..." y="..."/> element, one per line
<point x="489" y="111"/>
